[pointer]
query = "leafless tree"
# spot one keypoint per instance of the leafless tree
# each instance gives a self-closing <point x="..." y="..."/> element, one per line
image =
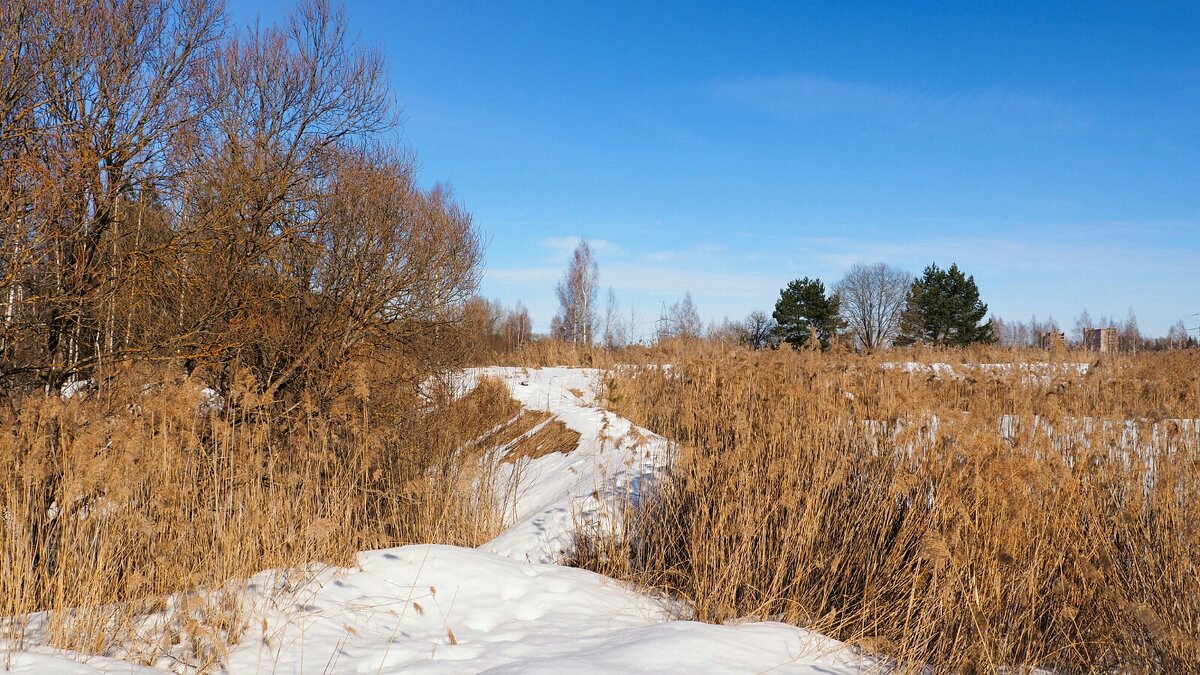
<point x="681" y="320"/>
<point x="1130" y="335"/>
<point x="100" y="92"/>
<point x="1083" y="323"/>
<point x="760" y="330"/>
<point x="168" y="192"/>
<point x="516" y="327"/>
<point x="576" y="318"/>
<point x="1021" y="333"/>
<point x="1177" y="335"/>
<point x="872" y="298"/>
<point x="614" y="326"/>
<point x="488" y="328"/>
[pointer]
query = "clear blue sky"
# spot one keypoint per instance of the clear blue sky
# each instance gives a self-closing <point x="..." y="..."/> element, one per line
<point x="1051" y="150"/>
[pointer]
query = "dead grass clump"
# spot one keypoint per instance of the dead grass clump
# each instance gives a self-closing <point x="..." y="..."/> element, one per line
<point x="526" y="422"/>
<point x="552" y="437"/>
<point x="1000" y="517"/>
<point x="472" y="419"/>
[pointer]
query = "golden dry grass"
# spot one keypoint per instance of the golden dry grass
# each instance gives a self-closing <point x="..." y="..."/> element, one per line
<point x="552" y="437"/>
<point x="895" y="510"/>
<point x="526" y="422"/>
<point x="148" y="488"/>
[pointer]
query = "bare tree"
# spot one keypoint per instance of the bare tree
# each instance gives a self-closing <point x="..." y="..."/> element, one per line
<point x="488" y="328"/>
<point x="1083" y="323"/>
<point x="516" y="327"/>
<point x="614" y="326"/>
<point x="99" y="96"/>
<point x="1022" y="334"/>
<point x="681" y="320"/>
<point x="872" y="298"/>
<point x="576" y="318"/>
<point x="1177" y="335"/>
<point x="167" y="192"/>
<point x="1130" y="335"/>
<point x="760" y="330"/>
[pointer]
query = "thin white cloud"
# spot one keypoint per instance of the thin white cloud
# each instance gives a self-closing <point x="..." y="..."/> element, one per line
<point x="796" y="97"/>
<point x="566" y="245"/>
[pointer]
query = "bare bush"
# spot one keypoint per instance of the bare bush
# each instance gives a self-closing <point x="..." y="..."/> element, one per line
<point x="169" y="193"/>
<point x="212" y="236"/>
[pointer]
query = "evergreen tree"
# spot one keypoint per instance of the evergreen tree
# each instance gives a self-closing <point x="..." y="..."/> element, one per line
<point x="804" y="309"/>
<point x="943" y="309"/>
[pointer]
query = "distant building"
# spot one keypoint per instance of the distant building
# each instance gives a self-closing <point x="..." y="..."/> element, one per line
<point x="1103" y="340"/>
<point x="1052" y="340"/>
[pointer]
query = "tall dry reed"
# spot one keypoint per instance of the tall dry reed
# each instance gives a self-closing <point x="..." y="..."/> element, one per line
<point x="1023" y="515"/>
<point x="152" y="486"/>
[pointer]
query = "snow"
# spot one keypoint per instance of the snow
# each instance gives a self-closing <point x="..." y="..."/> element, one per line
<point x="505" y="607"/>
<point x="398" y="611"/>
<point x="1042" y="372"/>
<point x="38" y="660"/>
<point x="615" y="463"/>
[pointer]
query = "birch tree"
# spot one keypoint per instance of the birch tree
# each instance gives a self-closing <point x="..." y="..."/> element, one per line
<point x="576" y="318"/>
<point x="614" y="326"/>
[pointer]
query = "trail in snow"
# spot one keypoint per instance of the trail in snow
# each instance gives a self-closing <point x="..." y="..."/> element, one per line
<point x="502" y="608"/>
<point x="615" y="462"/>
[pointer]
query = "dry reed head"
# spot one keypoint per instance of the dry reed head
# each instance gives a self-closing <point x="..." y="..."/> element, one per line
<point x="989" y="517"/>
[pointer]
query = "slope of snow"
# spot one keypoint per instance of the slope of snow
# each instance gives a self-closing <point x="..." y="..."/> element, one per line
<point x="502" y="608"/>
<point x="615" y="462"/>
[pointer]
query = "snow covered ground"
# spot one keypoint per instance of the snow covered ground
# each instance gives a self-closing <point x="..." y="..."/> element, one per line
<point x="505" y="607"/>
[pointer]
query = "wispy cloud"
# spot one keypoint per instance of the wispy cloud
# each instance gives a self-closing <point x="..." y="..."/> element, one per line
<point x="797" y="97"/>
<point x="722" y="281"/>
<point x="566" y="245"/>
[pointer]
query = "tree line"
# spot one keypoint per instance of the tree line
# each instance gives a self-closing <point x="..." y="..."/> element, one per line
<point x="172" y="190"/>
<point x="874" y="306"/>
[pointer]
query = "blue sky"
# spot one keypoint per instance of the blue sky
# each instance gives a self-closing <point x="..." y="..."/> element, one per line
<point x="1051" y="150"/>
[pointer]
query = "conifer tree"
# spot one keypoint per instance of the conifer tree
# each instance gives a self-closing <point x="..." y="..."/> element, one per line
<point x="803" y="308"/>
<point x="944" y="309"/>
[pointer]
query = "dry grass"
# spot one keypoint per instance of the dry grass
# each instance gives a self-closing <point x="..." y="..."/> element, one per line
<point x="113" y="501"/>
<point x="896" y="510"/>
<point x="551" y="437"/>
<point x="526" y="422"/>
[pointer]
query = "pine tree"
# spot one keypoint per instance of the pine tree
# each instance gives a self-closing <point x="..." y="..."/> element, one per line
<point x="944" y="309"/>
<point x="804" y="309"/>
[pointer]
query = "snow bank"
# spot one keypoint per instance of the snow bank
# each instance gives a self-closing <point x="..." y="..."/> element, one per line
<point x="442" y="609"/>
<point x="1042" y="372"/>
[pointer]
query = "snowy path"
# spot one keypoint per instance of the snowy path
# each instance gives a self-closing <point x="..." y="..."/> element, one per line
<point x="614" y="462"/>
<point x="503" y="608"/>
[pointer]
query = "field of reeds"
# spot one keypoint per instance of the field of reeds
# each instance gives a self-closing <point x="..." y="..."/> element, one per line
<point x="968" y="518"/>
<point x="151" y="485"/>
